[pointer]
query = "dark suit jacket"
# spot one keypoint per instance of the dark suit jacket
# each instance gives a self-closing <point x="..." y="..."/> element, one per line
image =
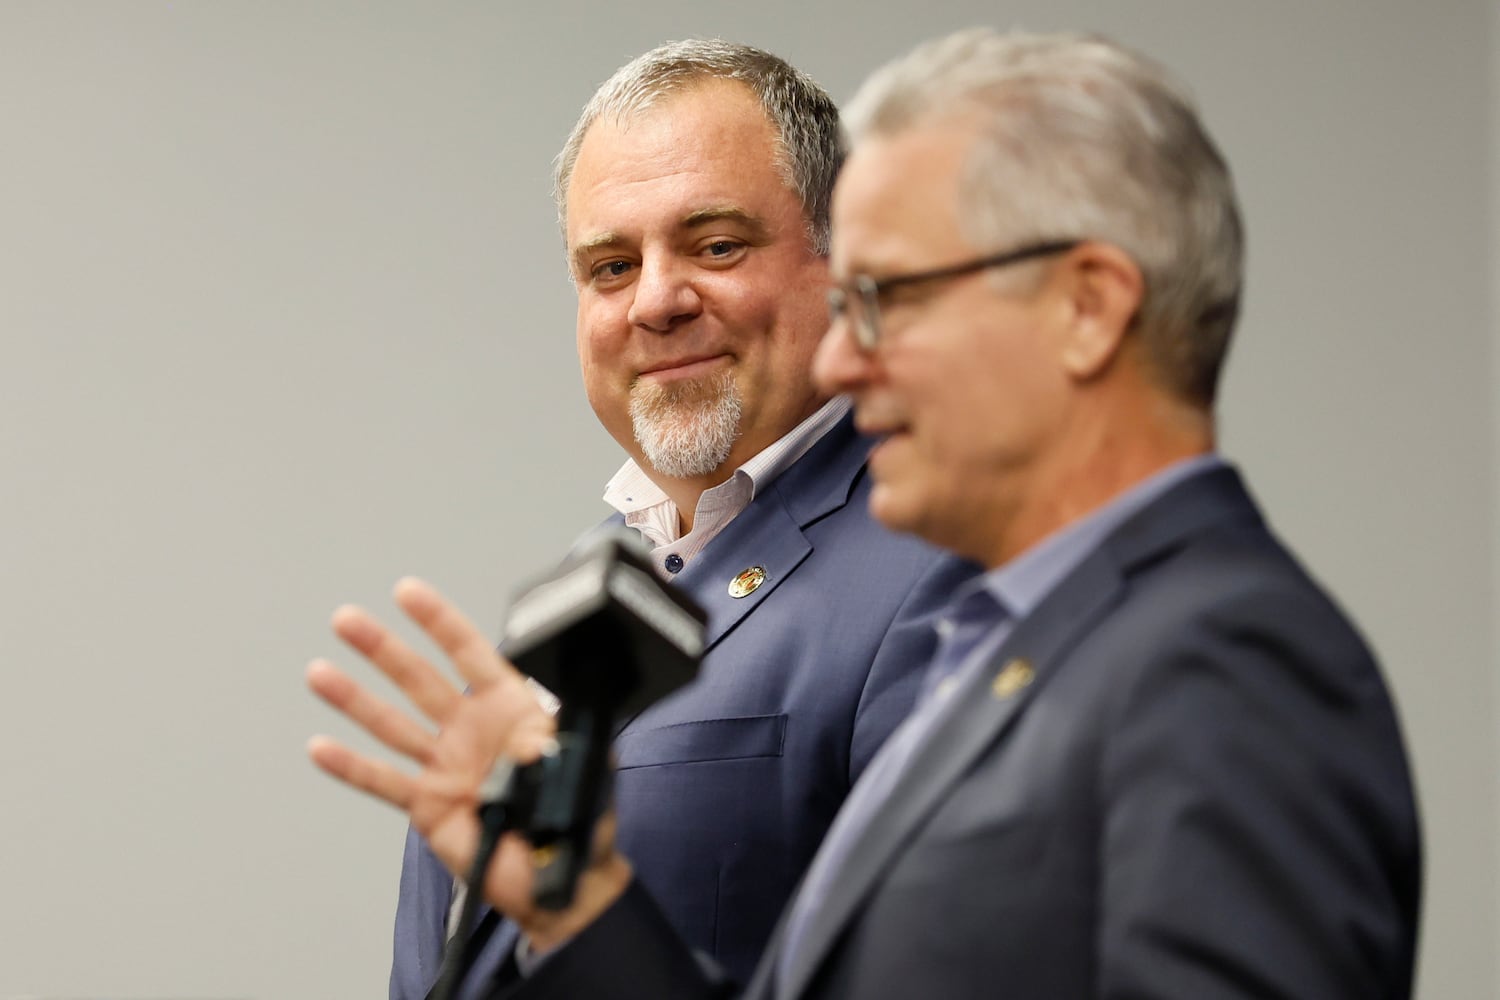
<point x="725" y="789"/>
<point x="1201" y="794"/>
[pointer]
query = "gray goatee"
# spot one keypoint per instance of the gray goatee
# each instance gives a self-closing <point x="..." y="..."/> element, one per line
<point x="686" y="428"/>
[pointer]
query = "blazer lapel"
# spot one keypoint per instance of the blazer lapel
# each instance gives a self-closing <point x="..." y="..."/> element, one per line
<point x="977" y="715"/>
<point x="980" y="711"/>
<point x="768" y="535"/>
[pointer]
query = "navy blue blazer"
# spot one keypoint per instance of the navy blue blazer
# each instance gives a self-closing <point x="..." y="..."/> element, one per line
<point x="1180" y="778"/>
<point x="725" y="789"/>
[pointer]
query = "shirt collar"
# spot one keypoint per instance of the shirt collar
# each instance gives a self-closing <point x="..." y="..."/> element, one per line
<point x="630" y="489"/>
<point x="1022" y="583"/>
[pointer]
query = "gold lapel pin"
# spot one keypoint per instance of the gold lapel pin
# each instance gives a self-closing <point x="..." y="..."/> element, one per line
<point x="1014" y="676"/>
<point x="746" y="583"/>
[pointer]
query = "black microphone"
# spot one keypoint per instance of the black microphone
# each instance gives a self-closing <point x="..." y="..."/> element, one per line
<point x="607" y="638"/>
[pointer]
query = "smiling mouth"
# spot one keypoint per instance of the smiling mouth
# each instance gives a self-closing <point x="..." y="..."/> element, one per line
<point x="690" y="368"/>
<point x="878" y="427"/>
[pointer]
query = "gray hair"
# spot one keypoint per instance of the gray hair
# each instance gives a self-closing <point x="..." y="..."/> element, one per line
<point x="810" y="143"/>
<point x="1078" y="137"/>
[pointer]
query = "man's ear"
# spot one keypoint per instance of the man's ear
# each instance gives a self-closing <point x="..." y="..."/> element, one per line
<point x="1104" y="289"/>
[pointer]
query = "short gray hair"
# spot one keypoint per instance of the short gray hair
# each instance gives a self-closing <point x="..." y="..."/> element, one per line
<point x="810" y="143"/>
<point x="1078" y="137"/>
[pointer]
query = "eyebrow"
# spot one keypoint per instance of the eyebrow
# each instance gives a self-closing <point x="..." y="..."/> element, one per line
<point x="729" y="213"/>
<point x="754" y="226"/>
<point x="583" y="251"/>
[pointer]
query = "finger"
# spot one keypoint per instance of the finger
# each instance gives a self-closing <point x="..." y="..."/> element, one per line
<point x="604" y="837"/>
<point x="508" y="880"/>
<point x="358" y="771"/>
<point x="470" y="650"/>
<point x="379" y="718"/>
<point x="534" y="736"/>
<point x="432" y="692"/>
<point x="506" y="719"/>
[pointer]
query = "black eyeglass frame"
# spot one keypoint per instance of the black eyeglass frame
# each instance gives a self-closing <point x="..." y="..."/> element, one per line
<point x="864" y="319"/>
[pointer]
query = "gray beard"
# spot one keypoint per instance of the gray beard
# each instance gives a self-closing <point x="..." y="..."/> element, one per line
<point x="686" y="429"/>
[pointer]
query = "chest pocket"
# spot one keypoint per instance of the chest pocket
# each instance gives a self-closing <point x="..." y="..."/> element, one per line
<point x="702" y="741"/>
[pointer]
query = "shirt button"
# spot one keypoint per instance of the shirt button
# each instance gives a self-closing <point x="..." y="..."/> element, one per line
<point x="673" y="563"/>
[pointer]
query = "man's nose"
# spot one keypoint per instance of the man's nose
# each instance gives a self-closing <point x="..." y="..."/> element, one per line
<point x="840" y="365"/>
<point x="664" y="294"/>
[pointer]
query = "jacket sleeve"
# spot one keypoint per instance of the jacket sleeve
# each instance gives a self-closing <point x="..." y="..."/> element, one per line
<point x="1259" y="838"/>
<point x="629" y="953"/>
<point x="421" y="915"/>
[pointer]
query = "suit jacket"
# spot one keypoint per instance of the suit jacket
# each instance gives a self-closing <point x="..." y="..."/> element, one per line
<point x="1200" y="793"/>
<point x="724" y="789"/>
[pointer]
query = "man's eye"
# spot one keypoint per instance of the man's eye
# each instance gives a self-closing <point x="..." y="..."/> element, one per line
<point x="890" y="297"/>
<point x="610" y="269"/>
<point x="722" y="248"/>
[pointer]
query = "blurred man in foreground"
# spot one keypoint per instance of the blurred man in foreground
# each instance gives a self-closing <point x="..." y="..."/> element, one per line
<point x="1152" y="758"/>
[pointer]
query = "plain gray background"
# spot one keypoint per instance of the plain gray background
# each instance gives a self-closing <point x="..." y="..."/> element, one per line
<point x="283" y="317"/>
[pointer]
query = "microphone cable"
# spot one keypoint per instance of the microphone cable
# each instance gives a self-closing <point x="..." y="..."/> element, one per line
<point x="458" y="956"/>
<point x="507" y="785"/>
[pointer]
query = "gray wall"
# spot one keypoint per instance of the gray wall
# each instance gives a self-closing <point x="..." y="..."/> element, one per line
<point x="282" y="317"/>
<point x="1494" y="443"/>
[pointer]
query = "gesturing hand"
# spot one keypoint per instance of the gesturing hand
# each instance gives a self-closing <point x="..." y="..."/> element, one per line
<point x="500" y="715"/>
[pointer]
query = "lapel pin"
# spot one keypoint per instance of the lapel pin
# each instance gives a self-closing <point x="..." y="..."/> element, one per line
<point x="746" y="583"/>
<point x="1014" y="676"/>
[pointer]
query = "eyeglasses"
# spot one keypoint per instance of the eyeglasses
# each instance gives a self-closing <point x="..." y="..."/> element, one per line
<point x="859" y="297"/>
